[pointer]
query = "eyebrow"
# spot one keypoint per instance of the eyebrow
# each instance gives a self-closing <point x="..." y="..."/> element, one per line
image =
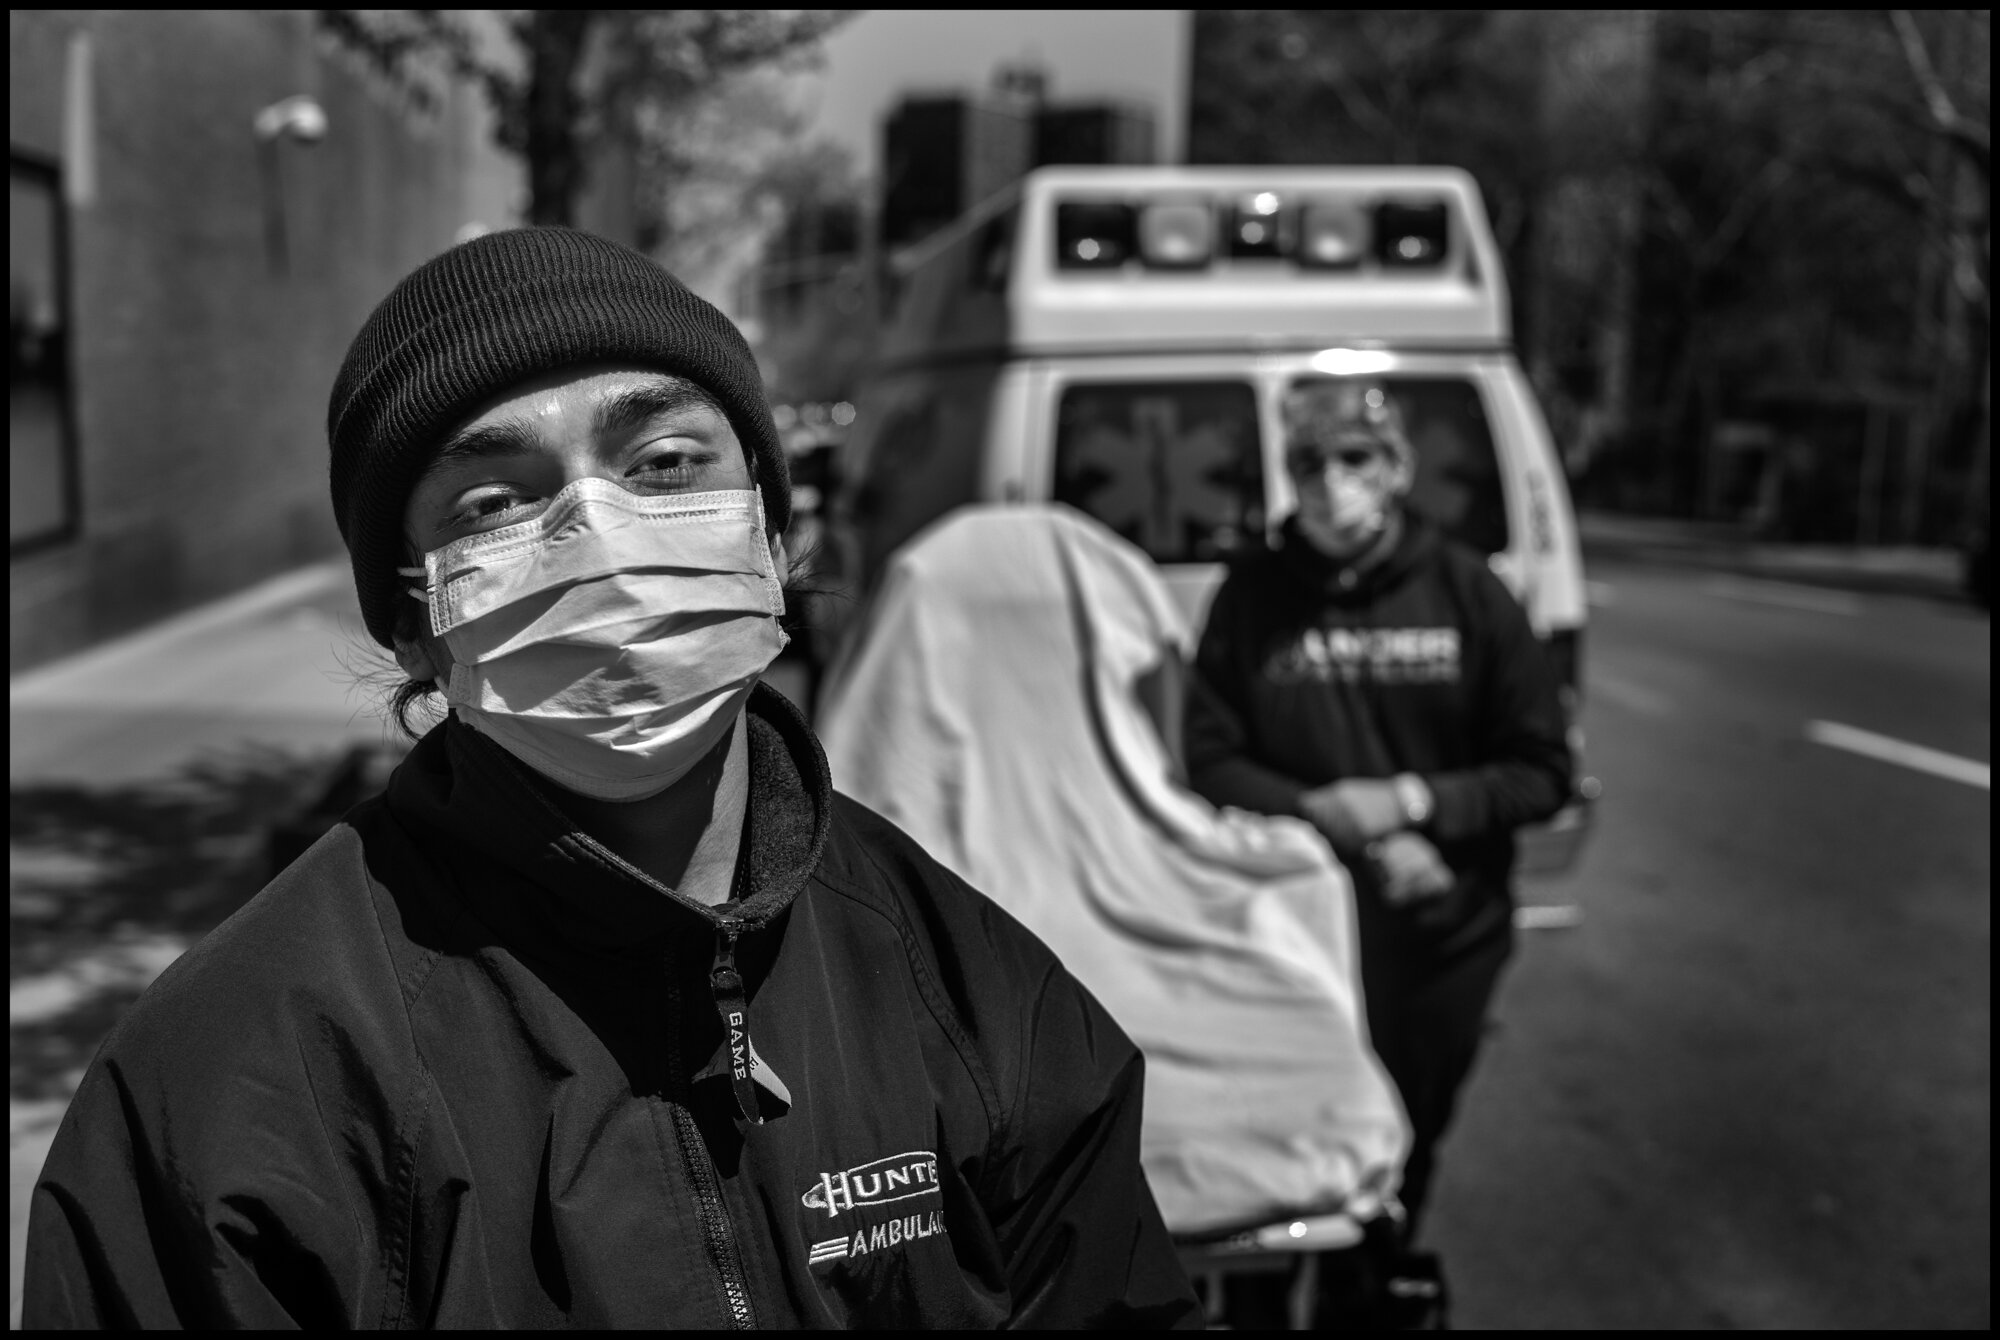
<point x="617" y="413"/>
<point x="637" y="404"/>
<point x="510" y="437"/>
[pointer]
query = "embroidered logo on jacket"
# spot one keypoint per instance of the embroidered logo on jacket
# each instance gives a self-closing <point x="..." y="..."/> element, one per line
<point x="897" y="1177"/>
<point x="1374" y="655"/>
<point x="877" y="1237"/>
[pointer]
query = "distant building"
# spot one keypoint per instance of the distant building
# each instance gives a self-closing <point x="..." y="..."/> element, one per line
<point x="182" y="289"/>
<point x="829" y="270"/>
<point x="1095" y="132"/>
<point x="944" y="153"/>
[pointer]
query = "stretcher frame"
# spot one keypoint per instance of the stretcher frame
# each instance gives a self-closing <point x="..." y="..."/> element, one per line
<point x="1288" y="1245"/>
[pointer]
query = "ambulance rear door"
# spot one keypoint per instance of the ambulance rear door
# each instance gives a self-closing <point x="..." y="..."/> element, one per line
<point x="1544" y="562"/>
<point x="1168" y="450"/>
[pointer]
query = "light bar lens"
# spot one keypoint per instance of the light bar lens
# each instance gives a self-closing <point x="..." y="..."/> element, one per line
<point x="1256" y="225"/>
<point x="1410" y="235"/>
<point x="1093" y="235"/>
<point x="1177" y="234"/>
<point x="1333" y="235"/>
<point x="1328" y="232"/>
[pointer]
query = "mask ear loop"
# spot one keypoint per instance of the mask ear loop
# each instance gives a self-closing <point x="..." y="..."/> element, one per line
<point x="421" y="593"/>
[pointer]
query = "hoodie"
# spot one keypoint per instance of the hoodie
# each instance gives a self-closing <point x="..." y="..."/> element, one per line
<point x="1310" y="671"/>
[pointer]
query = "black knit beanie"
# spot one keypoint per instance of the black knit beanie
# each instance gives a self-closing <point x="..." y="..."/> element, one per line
<point x="491" y="313"/>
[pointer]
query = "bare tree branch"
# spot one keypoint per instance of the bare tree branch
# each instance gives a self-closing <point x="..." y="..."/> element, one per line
<point x="1742" y="210"/>
<point x="1969" y="135"/>
<point x="659" y="68"/>
<point x="1356" y="104"/>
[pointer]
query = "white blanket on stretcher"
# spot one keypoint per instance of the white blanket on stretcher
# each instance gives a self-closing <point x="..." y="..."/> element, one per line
<point x="1005" y="707"/>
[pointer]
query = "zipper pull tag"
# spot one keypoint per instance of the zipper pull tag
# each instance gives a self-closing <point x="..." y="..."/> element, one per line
<point x="727" y="985"/>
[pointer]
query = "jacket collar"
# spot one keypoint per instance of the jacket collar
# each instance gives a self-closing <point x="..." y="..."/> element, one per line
<point x="460" y="783"/>
<point x="1343" y="582"/>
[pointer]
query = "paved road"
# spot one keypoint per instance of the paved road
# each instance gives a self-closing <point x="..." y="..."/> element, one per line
<point x="1752" y="1087"/>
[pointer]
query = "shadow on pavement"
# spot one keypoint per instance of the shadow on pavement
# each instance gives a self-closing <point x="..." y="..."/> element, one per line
<point x="108" y="885"/>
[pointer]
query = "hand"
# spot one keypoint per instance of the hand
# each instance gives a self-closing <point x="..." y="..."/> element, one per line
<point x="1354" y="811"/>
<point x="1411" y="869"/>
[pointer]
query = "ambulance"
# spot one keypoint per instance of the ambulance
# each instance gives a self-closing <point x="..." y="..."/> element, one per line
<point x="1119" y="339"/>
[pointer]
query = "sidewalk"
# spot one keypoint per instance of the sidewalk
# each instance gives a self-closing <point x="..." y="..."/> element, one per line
<point x="144" y="776"/>
<point x="1899" y="570"/>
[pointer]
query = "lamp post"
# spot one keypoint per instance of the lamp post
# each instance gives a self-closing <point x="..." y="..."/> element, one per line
<point x="300" y="118"/>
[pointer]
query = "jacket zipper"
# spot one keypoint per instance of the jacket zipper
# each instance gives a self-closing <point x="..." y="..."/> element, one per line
<point x="713" y="1213"/>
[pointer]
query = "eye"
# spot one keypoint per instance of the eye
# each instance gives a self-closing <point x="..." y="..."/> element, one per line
<point x="479" y="510"/>
<point x="663" y="466"/>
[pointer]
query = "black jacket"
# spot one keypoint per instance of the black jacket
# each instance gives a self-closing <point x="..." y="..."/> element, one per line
<point x="1309" y="672"/>
<point x="461" y="1066"/>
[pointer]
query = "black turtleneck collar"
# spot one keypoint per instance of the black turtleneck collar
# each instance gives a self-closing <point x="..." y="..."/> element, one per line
<point x="458" y="781"/>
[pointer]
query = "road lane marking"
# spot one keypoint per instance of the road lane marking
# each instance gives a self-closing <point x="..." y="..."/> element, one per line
<point x="1901" y="752"/>
<point x="1626" y="694"/>
<point x="1600" y="595"/>
<point x="1784" y="595"/>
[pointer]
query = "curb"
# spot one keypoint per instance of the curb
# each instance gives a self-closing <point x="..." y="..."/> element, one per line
<point x="1931" y="580"/>
<point x="150" y="639"/>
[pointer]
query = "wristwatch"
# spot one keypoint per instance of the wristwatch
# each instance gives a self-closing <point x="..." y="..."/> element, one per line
<point x="1414" y="797"/>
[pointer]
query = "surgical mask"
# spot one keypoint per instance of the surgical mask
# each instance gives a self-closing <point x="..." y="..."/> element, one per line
<point x="1357" y="510"/>
<point x="609" y="642"/>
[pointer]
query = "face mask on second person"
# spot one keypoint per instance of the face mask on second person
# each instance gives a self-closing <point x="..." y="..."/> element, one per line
<point x="609" y="642"/>
<point x="1344" y="504"/>
<point x="1348" y="459"/>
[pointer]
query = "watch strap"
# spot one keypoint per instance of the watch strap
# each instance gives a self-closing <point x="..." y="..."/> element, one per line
<point x="1414" y="797"/>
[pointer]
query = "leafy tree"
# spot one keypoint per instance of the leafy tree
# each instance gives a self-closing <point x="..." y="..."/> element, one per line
<point x="1372" y="86"/>
<point x="1542" y="108"/>
<point x="1956" y="195"/>
<point x="1693" y="205"/>
<point x="1813" y="216"/>
<point x="813" y="291"/>
<point x="568" y="78"/>
<point x="708" y="193"/>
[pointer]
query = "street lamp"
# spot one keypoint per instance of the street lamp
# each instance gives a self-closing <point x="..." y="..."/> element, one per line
<point x="299" y="118"/>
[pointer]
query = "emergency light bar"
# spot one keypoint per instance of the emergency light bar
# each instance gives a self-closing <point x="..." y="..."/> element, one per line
<point x="1327" y="233"/>
<point x="1278" y="255"/>
<point x="1100" y="235"/>
<point x="1116" y="258"/>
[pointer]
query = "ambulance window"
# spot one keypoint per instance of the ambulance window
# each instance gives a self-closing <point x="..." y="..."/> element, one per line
<point x="1173" y="467"/>
<point x="1458" y="473"/>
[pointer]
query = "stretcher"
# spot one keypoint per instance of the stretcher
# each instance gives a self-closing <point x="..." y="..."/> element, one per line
<point x="1287" y="1247"/>
<point x="1013" y="702"/>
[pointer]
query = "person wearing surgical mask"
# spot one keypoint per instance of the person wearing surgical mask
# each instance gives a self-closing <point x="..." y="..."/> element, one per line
<point x="1370" y="675"/>
<point x="1350" y="465"/>
<point x="610" y="1012"/>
